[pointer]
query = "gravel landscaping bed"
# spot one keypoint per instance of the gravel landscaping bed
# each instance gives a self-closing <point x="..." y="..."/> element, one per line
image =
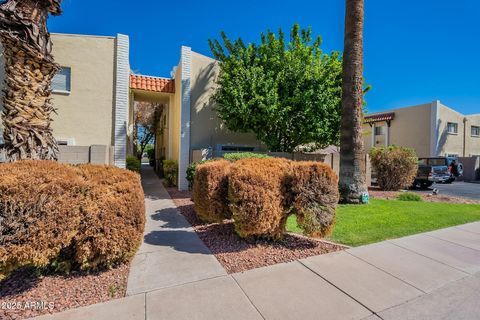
<point x="24" y="294"/>
<point x="237" y="254"/>
<point x="393" y="195"/>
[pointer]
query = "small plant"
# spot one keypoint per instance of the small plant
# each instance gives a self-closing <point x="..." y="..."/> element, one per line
<point x="191" y="171"/>
<point x="133" y="163"/>
<point x="409" y="196"/>
<point x="235" y="156"/>
<point x="396" y="167"/>
<point x="170" y="172"/>
<point x="113" y="290"/>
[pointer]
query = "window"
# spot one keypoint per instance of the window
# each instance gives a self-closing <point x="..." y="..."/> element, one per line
<point x="451" y="155"/>
<point x="237" y="148"/>
<point x="379" y="131"/>
<point x="452" y="127"/>
<point x="475" y="131"/>
<point x="61" y="81"/>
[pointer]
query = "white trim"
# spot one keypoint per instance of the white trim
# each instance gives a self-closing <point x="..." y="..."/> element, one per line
<point x="122" y="72"/>
<point x="434" y="128"/>
<point x="184" y="150"/>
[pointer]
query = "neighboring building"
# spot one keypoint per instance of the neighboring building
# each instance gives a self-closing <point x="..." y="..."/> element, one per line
<point x="90" y="94"/>
<point x="432" y="129"/>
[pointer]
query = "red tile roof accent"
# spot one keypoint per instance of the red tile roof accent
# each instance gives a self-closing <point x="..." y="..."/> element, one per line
<point x="155" y="84"/>
<point x="380" y="117"/>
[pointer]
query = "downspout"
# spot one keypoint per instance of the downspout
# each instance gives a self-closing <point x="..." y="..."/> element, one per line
<point x="465" y="136"/>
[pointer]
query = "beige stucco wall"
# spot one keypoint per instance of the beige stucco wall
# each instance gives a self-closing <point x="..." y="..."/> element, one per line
<point x="207" y="130"/>
<point x="86" y="114"/>
<point x="411" y="128"/>
<point x="472" y="145"/>
<point x="449" y="143"/>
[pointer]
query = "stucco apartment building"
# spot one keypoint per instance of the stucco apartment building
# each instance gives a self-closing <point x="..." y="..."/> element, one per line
<point x="95" y="91"/>
<point x="432" y="129"/>
<point x="90" y="94"/>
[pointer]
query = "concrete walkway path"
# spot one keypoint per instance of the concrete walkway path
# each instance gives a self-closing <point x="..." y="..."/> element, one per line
<point x="435" y="275"/>
<point x="171" y="253"/>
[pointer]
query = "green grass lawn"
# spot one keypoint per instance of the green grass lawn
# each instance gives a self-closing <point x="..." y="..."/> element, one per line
<point x="386" y="219"/>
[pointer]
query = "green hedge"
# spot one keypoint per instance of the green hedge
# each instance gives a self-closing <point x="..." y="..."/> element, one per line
<point x="133" y="163"/>
<point x="234" y="156"/>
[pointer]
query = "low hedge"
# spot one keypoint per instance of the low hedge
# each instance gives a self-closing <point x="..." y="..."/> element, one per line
<point x="235" y="156"/>
<point x="256" y="191"/>
<point x="314" y="187"/>
<point x="210" y="191"/>
<point x="86" y="217"/>
<point x="263" y="192"/>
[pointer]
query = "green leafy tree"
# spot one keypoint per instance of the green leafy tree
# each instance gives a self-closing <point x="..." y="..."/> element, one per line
<point x="287" y="94"/>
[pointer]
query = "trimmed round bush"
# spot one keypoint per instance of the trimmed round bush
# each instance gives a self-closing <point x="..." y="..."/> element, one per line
<point x="40" y="211"/>
<point x="257" y="194"/>
<point x="113" y="217"/>
<point x="84" y="217"/>
<point x="396" y="167"/>
<point x="210" y="191"/>
<point x="314" y="188"/>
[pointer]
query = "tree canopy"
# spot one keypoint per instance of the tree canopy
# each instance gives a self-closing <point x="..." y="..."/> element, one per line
<point x="288" y="94"/>
<point x="147" y="119"/>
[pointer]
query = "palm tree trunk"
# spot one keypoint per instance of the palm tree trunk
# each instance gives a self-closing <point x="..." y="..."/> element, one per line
<point x="27" y="106"/>
<point x="29" y="70"/>
<point x="352" y="182"/>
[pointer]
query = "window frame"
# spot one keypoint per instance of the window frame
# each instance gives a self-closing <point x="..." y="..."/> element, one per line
<point x="68" y="84"/>
<point x="455" y="124"/>
<point x="477" y="128"/>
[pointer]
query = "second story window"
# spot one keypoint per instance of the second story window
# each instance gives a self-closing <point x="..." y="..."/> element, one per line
<point x="475" y="131"/>
<point x="452" y="127"/>
<point x="61" y="81"/>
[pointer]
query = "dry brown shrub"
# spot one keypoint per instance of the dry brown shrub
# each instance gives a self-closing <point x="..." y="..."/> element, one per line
<point x="210" y="191"/>
<point x="40" y="203"/>
<point x="314" y="187"/>
<point x="257" y="194"/>
<point x="396" y="167"/>
<point x="113" y="218"/>
<point x="87" y="216"/>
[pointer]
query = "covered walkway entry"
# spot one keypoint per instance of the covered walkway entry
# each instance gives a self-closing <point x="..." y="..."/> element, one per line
<point x="160" y="91"/>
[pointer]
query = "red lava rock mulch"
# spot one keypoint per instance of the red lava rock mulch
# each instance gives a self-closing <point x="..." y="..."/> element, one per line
<point x="24" y="295"/>
<point x="376" y="193"/>
<point x="236" y="254"/>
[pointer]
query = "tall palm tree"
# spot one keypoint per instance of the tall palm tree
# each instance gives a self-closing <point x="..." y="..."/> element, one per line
<point x="29" y="69"/>
<point x="352" y="182"/>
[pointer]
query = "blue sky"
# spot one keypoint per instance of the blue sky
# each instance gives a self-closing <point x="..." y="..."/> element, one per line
<point x="416" y="51"/>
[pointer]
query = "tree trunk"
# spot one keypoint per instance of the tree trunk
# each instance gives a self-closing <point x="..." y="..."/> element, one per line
<point x="29" y="70"/>
<point x="352" y="182"/>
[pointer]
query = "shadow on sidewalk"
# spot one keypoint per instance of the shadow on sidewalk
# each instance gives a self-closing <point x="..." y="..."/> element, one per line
<point x="179" y="240"/>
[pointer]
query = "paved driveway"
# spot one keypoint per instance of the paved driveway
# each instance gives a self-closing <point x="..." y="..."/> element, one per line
<point x="457" y="189"/>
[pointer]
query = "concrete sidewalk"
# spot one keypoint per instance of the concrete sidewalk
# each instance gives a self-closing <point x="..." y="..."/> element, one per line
<point x="171" y="253"/>
<point x="434" y="275"/>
